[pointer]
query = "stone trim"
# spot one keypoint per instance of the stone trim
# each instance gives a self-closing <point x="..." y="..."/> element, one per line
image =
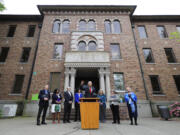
<point x="87" y="65"/>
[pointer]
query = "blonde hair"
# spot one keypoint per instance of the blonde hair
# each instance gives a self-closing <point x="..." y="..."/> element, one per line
<point x="101" y="91"/>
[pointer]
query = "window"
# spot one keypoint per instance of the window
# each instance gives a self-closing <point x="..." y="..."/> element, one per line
<point x="55" y="80"/>
<point x="178" y="28"/>
<point x="91" y="25"/>
<point x="65" y="26"/>
<point x="116" y="27"/>
<point x="12" y="29"/>
<point x="25" y="54"/>
<point x="155" y="84"/>
<point x="92" y="46"/>
<point x="170" y="55"/>
<point x="115" y="51"/>
<point x="4" y="53"/>
<point x="56" y="26"/>
<point x="107" y="24"/>
<point x="162" y="32"/>
<point x="142" y="32"/>
<point x="19" y="79"/>
<point x="58" y="50"/>
<point x="177" y="82"/>
<point x="82" y="25"/>
<point x="31" y="31"/>
<point x="118" y="81"/>
<point x="82" y="46"/>
<point x="148" y="55"/>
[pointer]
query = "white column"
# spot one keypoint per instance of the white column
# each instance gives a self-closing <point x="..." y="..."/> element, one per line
<point x="73" y="72"/>
<point x="101" y="73"/>
<point x="108" y="86"/>
<point x="66" y="83"/>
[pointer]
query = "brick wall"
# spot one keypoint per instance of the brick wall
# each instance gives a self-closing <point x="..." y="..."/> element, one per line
<point x="12" y="65"/>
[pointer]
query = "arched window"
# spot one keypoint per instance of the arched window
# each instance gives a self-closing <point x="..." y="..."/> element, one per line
<point x="116" y="27"/>
<point x="82" y="25"/>
<point x="107" y="24"/>
<point x="65" y="26"/>
<point x="91" y="25"/>
<point x="81" y="46"/>
<point x="56" y="26"/>
<point x="92" y="46"/>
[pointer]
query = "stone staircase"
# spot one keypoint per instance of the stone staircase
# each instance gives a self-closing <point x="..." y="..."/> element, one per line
<point x="122" y="109"/>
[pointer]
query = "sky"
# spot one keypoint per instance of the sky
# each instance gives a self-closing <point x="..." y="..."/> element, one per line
<point x="144" y="7"/>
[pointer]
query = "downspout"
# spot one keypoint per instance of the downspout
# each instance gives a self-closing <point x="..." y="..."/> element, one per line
<point x="33" y="63"/>
<point x="141" y="68"/>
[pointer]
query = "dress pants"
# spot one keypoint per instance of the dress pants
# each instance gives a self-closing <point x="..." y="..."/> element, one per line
<point x="115" y="112"/>
<point x="42" y="107"/>
<point x="102" y="113"/>
<point x="77" y="112"/>
<point x="67" y="111"/>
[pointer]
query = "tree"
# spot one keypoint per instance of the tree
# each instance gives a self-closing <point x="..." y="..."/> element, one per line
<point x="2" y="7"/>
<point x="175" y="35"/>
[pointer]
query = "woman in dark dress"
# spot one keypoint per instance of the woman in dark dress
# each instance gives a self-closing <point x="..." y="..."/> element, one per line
<point x="131" y="100"/>
<point x="56" y="105"/>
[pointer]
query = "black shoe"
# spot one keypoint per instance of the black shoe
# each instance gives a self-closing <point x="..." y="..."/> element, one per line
<point x="136" y="124"/>
<point x="118" y="122"/>
<point x="113" y="122"/>
<point x="68" y="121"/>
<point x="38" y="124"/>
<point x="75" y="120"/>
<point x="44" y="123"/>
<point x="64" y="121"/>
<point x="131" y="123"/>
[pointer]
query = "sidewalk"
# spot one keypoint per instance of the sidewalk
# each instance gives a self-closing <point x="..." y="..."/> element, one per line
<point x="148" y="126"/>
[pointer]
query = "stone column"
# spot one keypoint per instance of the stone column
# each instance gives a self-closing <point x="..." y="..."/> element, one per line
<point x="66" y="82"/>
<point x="72" y="85"/>
<point x="101" y="74"/>
<point x="108" y="86"/>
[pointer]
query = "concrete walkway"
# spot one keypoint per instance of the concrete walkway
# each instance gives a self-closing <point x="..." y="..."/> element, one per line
<point x="148" y="126"/>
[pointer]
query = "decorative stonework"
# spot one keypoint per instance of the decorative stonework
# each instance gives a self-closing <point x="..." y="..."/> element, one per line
<point x="86" y="36"/>
<point x="89" y="65"/>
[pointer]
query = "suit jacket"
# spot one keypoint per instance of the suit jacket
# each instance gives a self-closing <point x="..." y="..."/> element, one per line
<point x="41" y="97"/>
<point x="92" y="94"/>
<point x="55" y="98"/>
<point x="68" y="97"/>
<point x="77" y="97"/>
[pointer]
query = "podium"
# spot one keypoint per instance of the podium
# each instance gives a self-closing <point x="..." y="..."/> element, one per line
<point x="89" y="108"/>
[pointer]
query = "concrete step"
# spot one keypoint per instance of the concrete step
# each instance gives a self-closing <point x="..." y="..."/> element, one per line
<point x="123" y="114"/>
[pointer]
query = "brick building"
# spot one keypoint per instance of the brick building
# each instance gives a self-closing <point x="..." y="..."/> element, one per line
<point x="105" y="44"/>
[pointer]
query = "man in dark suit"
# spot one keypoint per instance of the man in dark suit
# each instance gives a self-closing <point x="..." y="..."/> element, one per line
<point x="90" y="90"/>
<point x="44" y="97"/>
<point x="68" y="96"/>
<point x="82" y="87"/>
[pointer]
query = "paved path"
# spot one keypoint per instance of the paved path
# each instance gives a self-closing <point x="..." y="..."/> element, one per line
<point x="148" y="126"/>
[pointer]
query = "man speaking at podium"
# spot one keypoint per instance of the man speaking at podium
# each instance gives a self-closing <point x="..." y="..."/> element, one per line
<point x="90" y="90"/>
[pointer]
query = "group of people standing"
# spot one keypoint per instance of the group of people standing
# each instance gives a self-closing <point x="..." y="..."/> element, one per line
<point x="84" y="91"/>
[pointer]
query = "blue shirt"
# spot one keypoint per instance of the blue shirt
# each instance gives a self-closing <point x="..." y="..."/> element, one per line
<point x="102" y="99"/>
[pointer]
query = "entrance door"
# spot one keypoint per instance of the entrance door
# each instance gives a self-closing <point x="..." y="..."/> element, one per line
<point x="87" y="74"/>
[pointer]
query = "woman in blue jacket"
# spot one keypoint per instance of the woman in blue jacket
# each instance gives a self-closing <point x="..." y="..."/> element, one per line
<point x="78" y="95"/>
<point x="102" y="110"/>
<point x="131" y="100"/>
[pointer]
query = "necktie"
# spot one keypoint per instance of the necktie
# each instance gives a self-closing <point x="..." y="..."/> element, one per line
<point x="90" y="90"/>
